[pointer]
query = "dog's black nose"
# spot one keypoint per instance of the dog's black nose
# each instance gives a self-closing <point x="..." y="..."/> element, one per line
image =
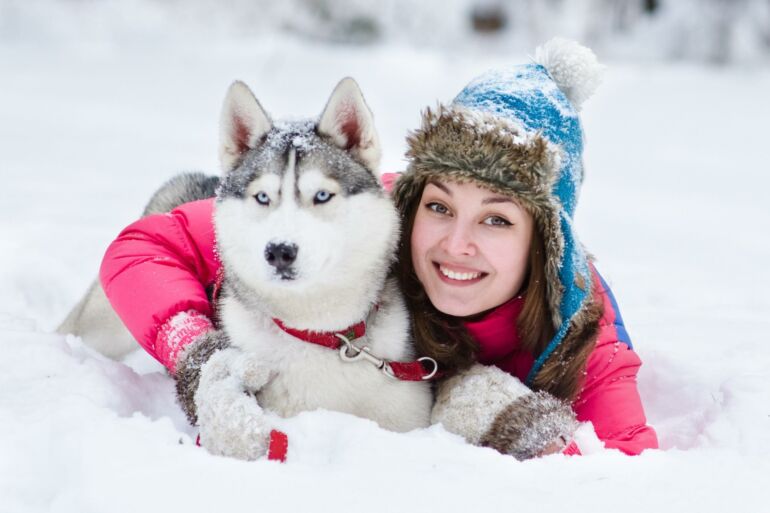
<point x="281" y="255"/>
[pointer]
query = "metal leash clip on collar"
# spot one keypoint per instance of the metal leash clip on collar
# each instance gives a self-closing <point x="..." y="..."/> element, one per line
<point x="363" y="353"/>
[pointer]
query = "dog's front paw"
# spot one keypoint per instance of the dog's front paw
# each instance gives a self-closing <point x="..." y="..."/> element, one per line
<point x="230" y="420"/>
<point x="250" y="371"/>
<point x="491" y="408"/>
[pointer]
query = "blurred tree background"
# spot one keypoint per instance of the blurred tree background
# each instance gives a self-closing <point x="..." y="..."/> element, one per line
<point x="715" y="31"/>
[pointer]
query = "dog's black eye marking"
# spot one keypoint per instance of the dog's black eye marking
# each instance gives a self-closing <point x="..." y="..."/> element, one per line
<point x="262" y="198"/>
<point x="322" y="196"/>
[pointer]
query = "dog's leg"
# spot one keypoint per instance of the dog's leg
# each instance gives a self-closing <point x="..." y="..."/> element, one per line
<point x="216" y="386"/>
<point x="96" y="322"/>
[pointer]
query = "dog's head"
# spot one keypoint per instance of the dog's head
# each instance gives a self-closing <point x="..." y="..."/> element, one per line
<point x="300" y="211"/>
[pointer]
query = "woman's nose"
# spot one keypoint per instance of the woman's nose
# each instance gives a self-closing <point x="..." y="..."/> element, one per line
<point x="459" y="240"/>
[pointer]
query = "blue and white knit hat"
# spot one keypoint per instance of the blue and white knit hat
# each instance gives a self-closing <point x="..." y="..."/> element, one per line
<point x="517" y="131"/>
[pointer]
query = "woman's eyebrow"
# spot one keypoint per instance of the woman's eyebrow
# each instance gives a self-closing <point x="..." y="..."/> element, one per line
<point x="497" y="199"/>
<point x="441" y="186"/>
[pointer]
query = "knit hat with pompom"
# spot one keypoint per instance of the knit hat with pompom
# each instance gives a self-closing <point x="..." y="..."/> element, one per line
<point x="517" y="131"/>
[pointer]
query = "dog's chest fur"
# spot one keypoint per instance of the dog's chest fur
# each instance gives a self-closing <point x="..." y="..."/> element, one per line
<point x="309" y="376"/>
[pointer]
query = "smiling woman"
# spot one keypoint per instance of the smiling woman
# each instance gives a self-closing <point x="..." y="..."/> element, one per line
<point x="501" y="291"/>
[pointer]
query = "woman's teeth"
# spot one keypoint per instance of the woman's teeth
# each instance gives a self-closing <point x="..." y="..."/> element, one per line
<point x="458" y="276"/>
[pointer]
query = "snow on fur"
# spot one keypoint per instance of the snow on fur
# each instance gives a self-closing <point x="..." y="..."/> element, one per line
<point x="574" y="68"/>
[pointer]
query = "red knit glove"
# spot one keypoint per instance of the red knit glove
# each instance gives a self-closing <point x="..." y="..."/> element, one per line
<point x="177" y="333"/>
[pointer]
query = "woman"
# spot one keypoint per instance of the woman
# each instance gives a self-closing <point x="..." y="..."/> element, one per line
<point x="503" y="295"/>
<point x="493" y="272"/>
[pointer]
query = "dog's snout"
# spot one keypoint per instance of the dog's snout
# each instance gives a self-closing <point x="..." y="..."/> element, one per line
<point x="281" y="255"/>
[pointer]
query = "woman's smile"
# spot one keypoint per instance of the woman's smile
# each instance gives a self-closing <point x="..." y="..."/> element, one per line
<point x="458" y="275"/>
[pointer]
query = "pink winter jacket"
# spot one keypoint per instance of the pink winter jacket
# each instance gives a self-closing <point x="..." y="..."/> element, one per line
<point x="165" y="264"/>
<point x="608" y="397"/>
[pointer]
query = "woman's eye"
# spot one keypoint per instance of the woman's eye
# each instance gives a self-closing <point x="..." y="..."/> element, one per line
<point x="496" y="221"/>
<point x="262" y="198"/>
<point x="322" y="197"/>
<point x="438" y="208"/>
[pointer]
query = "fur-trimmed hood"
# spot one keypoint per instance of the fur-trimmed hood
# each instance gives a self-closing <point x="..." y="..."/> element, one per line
<point x="517" y="131"/>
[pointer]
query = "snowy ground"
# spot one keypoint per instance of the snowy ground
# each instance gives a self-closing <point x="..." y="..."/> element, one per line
<point x="674" y="207"/>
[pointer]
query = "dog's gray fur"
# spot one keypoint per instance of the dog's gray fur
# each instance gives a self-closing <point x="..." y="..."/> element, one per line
<point x="181" y="189"/>
<point x="310" y="151"/>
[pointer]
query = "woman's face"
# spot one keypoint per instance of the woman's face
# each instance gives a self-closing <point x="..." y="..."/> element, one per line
<point x="470" y="247"/>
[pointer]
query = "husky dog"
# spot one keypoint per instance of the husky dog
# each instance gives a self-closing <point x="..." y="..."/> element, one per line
<point x="306" y="237"/>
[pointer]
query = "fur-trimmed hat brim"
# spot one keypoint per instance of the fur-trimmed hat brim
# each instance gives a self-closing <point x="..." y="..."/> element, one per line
<point x="461" y="145"/>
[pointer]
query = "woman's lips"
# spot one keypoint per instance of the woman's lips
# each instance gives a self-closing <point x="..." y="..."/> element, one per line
<point x="455" y="275"/>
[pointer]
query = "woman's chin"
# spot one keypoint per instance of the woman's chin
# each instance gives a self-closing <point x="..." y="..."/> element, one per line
<point x="457" y="308"/>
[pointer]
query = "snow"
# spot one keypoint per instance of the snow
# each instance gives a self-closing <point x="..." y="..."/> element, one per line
<point x="673" y="205"/>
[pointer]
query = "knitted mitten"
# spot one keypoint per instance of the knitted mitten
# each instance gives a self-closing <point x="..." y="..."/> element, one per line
<point x="491" y="408"/>
<point x="215" y="386"/>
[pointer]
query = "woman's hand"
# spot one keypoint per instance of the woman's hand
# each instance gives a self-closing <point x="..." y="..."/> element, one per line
<point x="491" y="408"/>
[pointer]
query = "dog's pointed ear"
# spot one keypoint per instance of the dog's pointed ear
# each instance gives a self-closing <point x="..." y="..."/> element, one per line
<point x="349" y="123"/>
<point x="242" y="125"/>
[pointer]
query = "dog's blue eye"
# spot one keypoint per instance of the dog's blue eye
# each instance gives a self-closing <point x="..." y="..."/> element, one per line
<point x="322" y="197"/>
<point x="262" y="198"/>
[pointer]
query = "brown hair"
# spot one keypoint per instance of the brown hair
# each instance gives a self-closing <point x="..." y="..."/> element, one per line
<point x="445" y="339"/>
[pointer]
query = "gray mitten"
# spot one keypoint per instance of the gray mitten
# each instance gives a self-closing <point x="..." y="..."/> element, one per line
<point x="491" y="408"/>
<point x="216" y="386"/>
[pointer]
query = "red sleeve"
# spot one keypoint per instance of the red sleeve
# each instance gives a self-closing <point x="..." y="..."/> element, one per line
<point x="610" y="399"/>
<point x="160" y="266"/>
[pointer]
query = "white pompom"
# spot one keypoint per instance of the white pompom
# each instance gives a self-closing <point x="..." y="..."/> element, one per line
<point x="574" y="68"/>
